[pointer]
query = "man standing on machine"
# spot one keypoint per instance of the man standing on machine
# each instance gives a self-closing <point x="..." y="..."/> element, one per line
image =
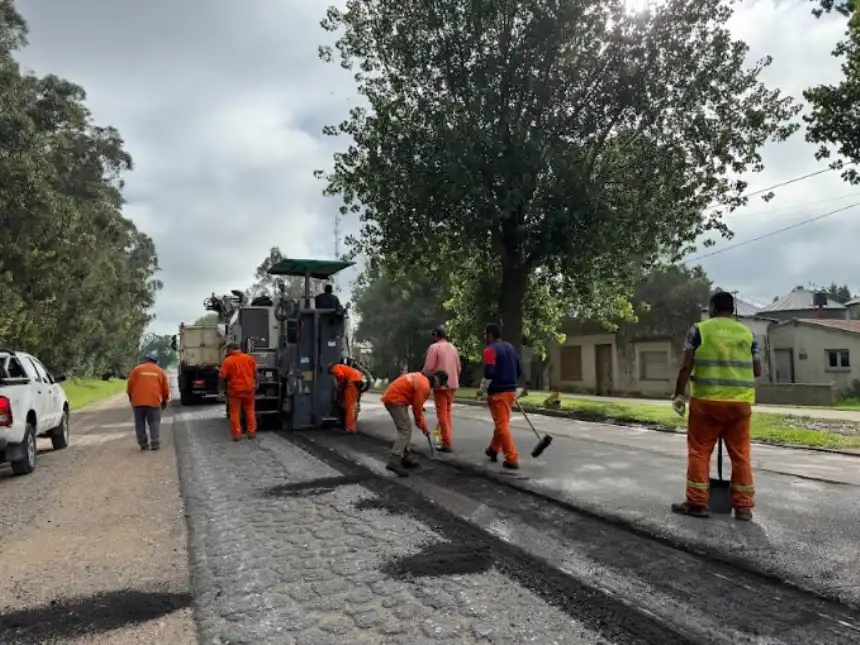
<point x="502" y="370"/>
<point x="442" y="355"/>
<point x="349" y="382"/>
<point x="239" y="375"/>
<point x="722" y="361"/>
<point x="409" y="390"/>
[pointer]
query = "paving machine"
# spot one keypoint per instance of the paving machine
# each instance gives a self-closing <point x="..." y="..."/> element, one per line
<point x="293" y="343"/>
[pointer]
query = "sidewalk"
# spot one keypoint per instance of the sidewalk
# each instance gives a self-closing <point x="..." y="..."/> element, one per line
<point x="806" y="527"/>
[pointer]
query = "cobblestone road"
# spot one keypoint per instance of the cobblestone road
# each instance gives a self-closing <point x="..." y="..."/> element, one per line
<point x="288" y="550"/>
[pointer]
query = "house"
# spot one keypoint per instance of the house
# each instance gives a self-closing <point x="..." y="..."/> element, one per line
<point x="801" y="303"/>
<point x="817" y="351"/>
<point x="853" y="307"/>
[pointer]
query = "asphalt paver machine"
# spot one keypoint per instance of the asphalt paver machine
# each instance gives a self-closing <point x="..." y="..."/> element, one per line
<point x="293" y="343"/>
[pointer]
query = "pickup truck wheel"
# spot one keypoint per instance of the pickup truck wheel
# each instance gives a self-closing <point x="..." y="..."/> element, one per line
<point x="27" y="465"/>
<point x="60" y="434"/>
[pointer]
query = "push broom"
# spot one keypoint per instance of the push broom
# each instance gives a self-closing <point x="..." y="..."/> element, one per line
<point x="543" y="441"/>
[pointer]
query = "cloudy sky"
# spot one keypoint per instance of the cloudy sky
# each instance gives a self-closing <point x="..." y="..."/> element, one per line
<point x="222" y="102"/>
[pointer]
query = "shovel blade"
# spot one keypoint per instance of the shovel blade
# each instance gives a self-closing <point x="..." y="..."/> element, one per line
<point x="721" y="497"/>
<point x="543" y="444"/>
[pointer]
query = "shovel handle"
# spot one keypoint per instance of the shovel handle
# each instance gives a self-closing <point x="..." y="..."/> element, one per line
<point x="720" y="459"/>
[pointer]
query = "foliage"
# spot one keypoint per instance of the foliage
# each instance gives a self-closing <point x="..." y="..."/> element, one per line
<point x="833" y="120"/>
<point x="544" y="150"/>
<point x="840" y="294"/>
<point x="396" y="315"/>
<point x="264" y="284"/>
<point x="78" y="278"/>
<point x="208" y="320"/>
<point x="167" y="356"/>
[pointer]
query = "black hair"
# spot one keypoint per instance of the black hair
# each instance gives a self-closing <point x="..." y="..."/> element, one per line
<point x="494" y="331"/>
<point x="328" y="288"/>
<point x="722" y="302"/>
<point x="439" y="332"/>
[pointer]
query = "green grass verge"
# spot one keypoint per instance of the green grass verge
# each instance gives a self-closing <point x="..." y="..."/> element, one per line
<point x="849" y="404"/>
<point x="82" y="392"/>
<point x="769" y="428"/>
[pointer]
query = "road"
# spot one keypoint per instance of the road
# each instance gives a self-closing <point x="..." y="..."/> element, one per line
<point x="304" y="539"/>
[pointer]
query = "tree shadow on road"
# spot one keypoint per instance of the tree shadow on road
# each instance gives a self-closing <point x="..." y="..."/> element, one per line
<point x="86" y="615"/>
<point x="314" y="487"/>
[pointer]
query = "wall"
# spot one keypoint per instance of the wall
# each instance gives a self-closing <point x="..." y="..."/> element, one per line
<point x="808" y="344"/>
<point x="826" y="395"/>
<point x="588" y="374"/>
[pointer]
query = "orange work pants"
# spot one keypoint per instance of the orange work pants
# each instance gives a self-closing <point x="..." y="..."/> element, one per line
<point x="444" y="399"/>
<point x="708" y="421"/>
<point x="350" y="400"/>
<point x="239" y="403"/>
<point x="501" y="405"/>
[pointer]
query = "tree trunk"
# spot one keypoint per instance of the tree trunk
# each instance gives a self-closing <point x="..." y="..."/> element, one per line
<point x="511" y="304"/>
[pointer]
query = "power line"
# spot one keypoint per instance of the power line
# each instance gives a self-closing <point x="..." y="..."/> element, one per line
<point x="780" y="185"/>
<point x="796" y="206"/>
<point x="772" y="233"/>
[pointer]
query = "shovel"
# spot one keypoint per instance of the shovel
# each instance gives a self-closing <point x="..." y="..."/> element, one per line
<point x="432" y="445"/>
<point x="721" y="490"/>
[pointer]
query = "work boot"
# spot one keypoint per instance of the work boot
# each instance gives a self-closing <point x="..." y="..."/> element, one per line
<point x="408" y="463"/>
<point x="510" y="465"/>
<point x="252" y="435"/>
<point x="743" y="514"/>
<point x="144" y="446"/>
<point x="237" y="437"/>
<point x="155" y="445"/>
<point x="492" y="454"/>
<point x="446" y="449"/>
<point x="693" y="511"/>
<point x="395" y="466"/>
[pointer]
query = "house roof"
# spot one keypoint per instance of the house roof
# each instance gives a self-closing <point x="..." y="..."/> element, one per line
<point x="742" y="307"/>
<point x="853" y="301"/>
<point x="799" y="299"/>
<point x="851" y="326"/>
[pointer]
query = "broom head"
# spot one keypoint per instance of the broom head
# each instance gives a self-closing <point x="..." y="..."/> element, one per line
<point x="543" y="444"/>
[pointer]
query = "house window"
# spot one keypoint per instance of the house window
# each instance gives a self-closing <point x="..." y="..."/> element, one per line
<point x="571" y="362"/>
<point x="837" y="360"/>
<point x="654" y="366"/>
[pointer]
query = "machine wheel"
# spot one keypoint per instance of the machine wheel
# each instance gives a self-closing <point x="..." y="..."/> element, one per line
<point x="187" y="398"/>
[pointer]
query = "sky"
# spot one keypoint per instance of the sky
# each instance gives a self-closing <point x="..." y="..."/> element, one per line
<point x="221" y="104"/>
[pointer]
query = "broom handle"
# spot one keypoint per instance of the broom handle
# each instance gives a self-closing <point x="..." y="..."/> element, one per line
<point x="720" y="459"/>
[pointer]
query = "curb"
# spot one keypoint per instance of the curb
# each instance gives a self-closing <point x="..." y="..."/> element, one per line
<point x="546" y="494"/>
<point x="655" y="427"/>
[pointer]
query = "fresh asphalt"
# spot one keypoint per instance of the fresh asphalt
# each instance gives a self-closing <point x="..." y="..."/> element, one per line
<point x="304" y="537"/>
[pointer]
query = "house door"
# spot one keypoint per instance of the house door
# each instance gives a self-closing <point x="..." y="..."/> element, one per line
<point x="784" y="359"/>
<point x="603" y="369"/>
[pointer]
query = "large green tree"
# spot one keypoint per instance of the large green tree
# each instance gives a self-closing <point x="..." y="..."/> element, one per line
<point x="78" y="278"/>
<point x="834" y="119"/>
<point x="264" y="284"/>
<point x="544" y="151"/>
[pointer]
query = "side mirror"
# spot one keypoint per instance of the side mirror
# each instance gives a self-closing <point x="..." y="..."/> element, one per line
<point x="173" y="343"/>
<point x="59" y="378"/>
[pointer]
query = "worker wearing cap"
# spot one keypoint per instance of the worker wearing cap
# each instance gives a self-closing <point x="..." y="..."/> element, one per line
<point x="502" y="370"/>
<point x="721" y="362"/>
<point x="238" y="376"/>
<point x="410" y="390"/>
<point x="442" y="355"/>
<point x="148" y="392"/>
<point x="349" y="382"/>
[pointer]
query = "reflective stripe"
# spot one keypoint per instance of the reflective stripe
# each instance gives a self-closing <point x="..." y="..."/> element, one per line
<point x="743" y="489"/>
<point x="148" y="374"/>
<point x="708" y="362"/>
<point x="698" y="485"/>
<point x="727" y="382"/>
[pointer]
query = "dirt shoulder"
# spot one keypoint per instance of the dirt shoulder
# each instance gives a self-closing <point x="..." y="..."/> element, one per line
<point x="93" y="544"/>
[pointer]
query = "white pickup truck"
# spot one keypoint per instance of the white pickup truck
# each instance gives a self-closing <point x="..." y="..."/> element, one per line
<point x="32" y="404"/>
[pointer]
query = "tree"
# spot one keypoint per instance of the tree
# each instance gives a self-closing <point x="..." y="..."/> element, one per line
<point x="840" y="294"/>
<point x="545" y="150"/>
<point x="207" y="319"/>
<point x="162" y="345"/>
<point x="833" y="120"/>
<point x="264" y="284"/>
<point x="396" y="314"/>
<point x="78" y="278"/>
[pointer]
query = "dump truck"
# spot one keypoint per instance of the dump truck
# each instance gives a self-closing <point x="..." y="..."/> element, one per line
<point x="201" y="350"/>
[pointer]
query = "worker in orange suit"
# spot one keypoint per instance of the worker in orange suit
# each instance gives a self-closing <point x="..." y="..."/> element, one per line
<point x="502" y="370"/>
<point x="349" y="382"/>
<point x="239" y="375"/>
<point x="148" y="392"/>
<point x="442" y="355"/>
<point x="721" y="362"/>
<point x="410" y="390"/>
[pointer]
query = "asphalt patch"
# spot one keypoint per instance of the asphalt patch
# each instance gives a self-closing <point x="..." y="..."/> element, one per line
<point x="62" y="620"/>
<point x="436" y="560"/>
<point x="314" y="487"/>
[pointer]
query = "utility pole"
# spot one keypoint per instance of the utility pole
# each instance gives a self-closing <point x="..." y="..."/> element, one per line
<point x="336" y="246"/>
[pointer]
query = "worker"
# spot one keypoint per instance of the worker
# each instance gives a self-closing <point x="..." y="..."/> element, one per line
<point x="502" y="370"/>
<point x="326" y="299"/>
<point x="411" y="389"/>
<point x="148" y="392"/>
<point x="442" y="355"/>
<point x="349" y="382"/>
<point x="721" y="361"/>
<point x="239" y="375"/>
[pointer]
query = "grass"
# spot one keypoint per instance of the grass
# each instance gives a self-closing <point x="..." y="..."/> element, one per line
<point x="849" y="404"/>
<point x="82" y="392"/>
<point x="769" y="428"/>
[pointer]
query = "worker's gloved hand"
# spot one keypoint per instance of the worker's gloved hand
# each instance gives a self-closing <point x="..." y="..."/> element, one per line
<point x="520" y="392"/>
<point x="424" y="430"/>
<point x="164" y="405"/>
<point x="679" y="405"/>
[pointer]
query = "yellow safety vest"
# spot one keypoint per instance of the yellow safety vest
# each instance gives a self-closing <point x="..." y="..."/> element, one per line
<point x="723" y="364"/>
